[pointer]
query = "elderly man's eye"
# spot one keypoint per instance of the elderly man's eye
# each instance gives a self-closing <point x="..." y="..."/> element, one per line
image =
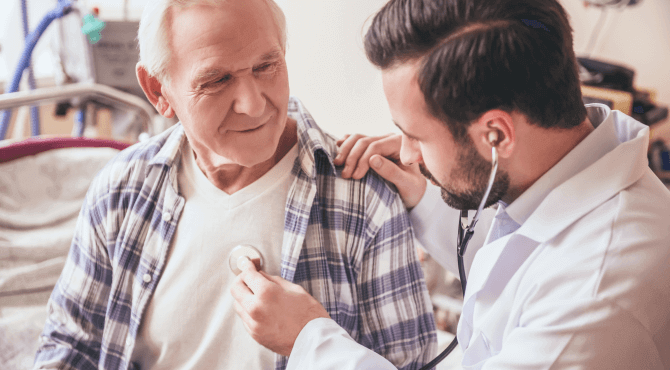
<point x="223" y="79"/>
<point x="265" y="70"/>
<point x="263" y="67"/>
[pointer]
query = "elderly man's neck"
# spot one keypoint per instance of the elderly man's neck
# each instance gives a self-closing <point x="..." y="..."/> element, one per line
<point x="231" y="178"/>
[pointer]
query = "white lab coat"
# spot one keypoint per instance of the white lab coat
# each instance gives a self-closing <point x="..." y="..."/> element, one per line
<point x="584" y="283"/>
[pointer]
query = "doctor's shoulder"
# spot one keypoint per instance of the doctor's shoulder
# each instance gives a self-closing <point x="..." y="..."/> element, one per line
<point x="605" y="280"/>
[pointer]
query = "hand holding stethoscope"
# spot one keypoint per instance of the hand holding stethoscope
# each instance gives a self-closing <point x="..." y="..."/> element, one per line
<point x="260" y="297"/>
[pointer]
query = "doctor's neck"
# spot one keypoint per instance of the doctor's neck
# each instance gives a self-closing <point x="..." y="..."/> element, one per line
<point x="536" y="151"/>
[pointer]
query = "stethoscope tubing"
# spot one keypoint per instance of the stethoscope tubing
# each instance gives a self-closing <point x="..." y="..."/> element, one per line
<point x="465" y="233"/>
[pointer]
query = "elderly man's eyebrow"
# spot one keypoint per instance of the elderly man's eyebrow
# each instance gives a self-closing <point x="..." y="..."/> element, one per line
<point x="207" y="74"/>
<point x="275" y="54"/>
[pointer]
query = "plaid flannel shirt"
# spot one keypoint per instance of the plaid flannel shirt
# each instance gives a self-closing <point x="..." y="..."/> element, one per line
<point x="347" y="242"/>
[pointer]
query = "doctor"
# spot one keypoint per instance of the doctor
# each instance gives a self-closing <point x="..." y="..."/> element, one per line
<point x="575" y="270"/>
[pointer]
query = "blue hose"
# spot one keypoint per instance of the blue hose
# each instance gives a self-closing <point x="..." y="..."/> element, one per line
<point x="80" y="121"/>
<point x="63" y="8"/>
<point x="34" y="110"/>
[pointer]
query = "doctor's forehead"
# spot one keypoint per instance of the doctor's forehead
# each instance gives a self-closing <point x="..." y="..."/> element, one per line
<point x="405" y="98"/>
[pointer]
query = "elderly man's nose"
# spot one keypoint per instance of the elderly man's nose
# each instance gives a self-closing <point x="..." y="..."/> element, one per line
<point x="249" y="99"/>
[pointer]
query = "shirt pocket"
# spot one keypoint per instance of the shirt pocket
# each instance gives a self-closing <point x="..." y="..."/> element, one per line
<point x="477" y="353"/>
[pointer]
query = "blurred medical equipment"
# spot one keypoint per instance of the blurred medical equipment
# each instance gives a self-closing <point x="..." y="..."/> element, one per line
<point x="612" y="85"/>
<point x="64" y="7"/>
<point x="96" y="56"/>
<point x="43" y="180"/>
<point x="242" y="253"/>
<point x="465" y="233"/>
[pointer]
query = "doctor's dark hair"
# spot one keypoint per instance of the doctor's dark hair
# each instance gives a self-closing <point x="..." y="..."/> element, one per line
<point x="478" y="55"/>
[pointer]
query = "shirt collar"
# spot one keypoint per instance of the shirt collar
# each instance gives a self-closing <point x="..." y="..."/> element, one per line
<point x="315" y="150"/>
<point x="169" y="143"/>
<point x="599" y="142"/>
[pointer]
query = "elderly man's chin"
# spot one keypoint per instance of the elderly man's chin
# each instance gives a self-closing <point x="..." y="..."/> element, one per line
<point x="251" y="147"/>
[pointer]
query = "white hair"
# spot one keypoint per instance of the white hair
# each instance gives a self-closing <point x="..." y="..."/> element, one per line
<point x="153" y="32"/>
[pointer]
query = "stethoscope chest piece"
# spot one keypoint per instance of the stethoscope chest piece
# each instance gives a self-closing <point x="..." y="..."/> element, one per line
<point x="240" y="253"/>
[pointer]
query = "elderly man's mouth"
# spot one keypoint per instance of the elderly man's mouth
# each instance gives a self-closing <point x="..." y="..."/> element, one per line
<point x="251" y="130"/>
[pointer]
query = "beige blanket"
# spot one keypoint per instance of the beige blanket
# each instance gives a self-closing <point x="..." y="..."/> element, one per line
<point x="40" y="199"/>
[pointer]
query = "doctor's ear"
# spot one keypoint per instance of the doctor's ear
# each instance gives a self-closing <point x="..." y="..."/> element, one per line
<point x="494" y="128"/>
<point x="153" y="89"/>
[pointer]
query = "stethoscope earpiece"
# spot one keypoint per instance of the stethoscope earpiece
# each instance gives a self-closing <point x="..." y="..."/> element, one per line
<point x="241" y="253"/>
<point x="493" y="137"/>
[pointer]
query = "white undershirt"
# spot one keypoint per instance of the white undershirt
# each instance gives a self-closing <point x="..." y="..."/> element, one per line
<point x="190" y="322"/>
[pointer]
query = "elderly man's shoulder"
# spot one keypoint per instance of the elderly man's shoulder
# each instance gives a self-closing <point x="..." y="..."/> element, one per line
<point x="132" y="162"/>
<point x="373" y="188"/>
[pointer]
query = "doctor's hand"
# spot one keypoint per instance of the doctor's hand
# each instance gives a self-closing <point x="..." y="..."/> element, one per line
<point x="359" y="153"/>
<point x="273" y="310"/>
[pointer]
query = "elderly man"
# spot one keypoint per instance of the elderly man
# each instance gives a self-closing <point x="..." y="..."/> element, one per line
<point x="147" y="283"/>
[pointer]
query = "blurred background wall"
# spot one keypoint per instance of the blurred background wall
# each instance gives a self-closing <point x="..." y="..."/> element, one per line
<point x="330" y="74"/>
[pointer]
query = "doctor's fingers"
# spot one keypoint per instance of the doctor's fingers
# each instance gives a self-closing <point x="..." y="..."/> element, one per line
<point x="244" y="316"/>
<point x="344" y="146"/>
<point x="250" y="282"/>
<point x="357" y="162"/>
<point x="254" y="307"/>
<point x="409" y="181"/>
<point x="351" y="151"/>
<point x="252" y="326"/>
<point x="387" y="147"/>
<point x="286" y="285"/>
<point x="342" y="140"/>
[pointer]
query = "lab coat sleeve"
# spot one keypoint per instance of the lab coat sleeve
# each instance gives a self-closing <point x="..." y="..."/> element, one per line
<point x="435" y="226"/>
<point x="76" y="309"/>
<point x="324" y="345"/>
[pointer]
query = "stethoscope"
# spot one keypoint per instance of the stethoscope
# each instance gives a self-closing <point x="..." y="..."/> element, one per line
<point x="465" y="233"/>
<point x="245" y="252"/>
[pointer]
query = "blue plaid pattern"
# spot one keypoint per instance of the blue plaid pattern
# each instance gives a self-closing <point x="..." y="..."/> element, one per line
<point x="347" y="242"/>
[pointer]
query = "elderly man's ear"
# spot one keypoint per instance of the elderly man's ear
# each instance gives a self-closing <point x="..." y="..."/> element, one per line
<point x="153" y="89"/>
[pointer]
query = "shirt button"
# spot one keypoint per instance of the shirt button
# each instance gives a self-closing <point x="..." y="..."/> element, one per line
<point x="167" y="216"/>
<point x="146" y="278"/>
<point x="128" y="341"/>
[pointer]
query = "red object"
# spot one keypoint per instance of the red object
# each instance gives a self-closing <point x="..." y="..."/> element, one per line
<point x="34" y="146"/>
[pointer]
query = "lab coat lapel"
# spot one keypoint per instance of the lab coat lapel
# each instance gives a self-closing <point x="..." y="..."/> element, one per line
<point x="500" y="259"/>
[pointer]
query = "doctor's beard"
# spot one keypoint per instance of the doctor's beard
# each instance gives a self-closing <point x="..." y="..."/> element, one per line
<point x="473" y="169"/>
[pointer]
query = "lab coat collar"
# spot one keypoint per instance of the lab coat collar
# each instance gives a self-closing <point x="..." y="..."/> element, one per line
<point x="593" y="184"/>
<point x="602" y="140"/>
<point x="562" y="206"/>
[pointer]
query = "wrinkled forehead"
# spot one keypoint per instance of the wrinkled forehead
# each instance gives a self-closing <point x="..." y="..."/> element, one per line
<point x="235" y="32"/>
<point x="229" y="18"/>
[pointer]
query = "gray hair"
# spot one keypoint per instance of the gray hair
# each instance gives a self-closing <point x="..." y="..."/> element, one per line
<point x="153" y="40"/>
